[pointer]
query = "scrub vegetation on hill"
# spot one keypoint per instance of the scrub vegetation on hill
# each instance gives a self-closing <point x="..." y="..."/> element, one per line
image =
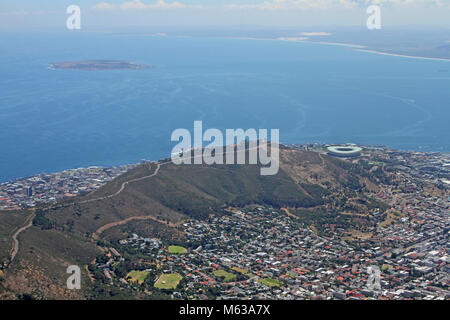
<point x="315" y="188"/>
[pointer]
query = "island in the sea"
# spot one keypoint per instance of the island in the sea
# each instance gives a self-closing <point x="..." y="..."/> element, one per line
<point x="94" y="65"/>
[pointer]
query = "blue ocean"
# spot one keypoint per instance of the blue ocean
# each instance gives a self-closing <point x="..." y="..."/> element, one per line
<point x="51" y="120"/>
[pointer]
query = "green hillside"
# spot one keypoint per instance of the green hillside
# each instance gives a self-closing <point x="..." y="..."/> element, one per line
<point x="315" y="187"/>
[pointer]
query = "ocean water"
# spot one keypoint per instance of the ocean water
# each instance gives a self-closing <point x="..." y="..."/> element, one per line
<point x="51" y="120"/>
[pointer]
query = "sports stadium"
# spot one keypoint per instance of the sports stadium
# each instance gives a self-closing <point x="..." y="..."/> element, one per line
<point x="346" y="151"/>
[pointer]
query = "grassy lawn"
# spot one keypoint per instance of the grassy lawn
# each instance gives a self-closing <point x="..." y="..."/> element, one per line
<point x="168" y="281"/>
<point x="177" y="250"/>
<point x="138" y="276"/>
<point x="270" y="282"/>
<point x="226" y="276"/>
<point x="242" y="271"/>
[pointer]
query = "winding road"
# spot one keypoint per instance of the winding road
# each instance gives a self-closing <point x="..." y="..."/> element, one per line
<point x="125" y="221"/>
<point x="15" y="248"/>
<point x="122" y="187"/>
<point x="29" y="220"/>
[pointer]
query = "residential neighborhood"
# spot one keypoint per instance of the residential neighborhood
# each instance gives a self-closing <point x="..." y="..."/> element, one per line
<point x="263" y="252"/>
<point x="259" y="252"/>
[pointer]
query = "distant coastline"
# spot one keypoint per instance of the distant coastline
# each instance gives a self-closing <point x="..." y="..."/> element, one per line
<point x="43" y="188"/>
<point x="135" y="163"/>
<point x="355" y="47"/>
<point x="362" y="48"/>
<point x="401" y="55"/>
<point x="429" y="146"/>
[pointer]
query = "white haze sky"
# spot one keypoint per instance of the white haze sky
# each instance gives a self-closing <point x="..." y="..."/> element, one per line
<point x="35" y="14"/>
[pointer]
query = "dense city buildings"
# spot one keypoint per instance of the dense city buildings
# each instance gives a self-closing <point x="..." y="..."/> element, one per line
<point x="49" y="188"/>
<point x="260" y="252"/>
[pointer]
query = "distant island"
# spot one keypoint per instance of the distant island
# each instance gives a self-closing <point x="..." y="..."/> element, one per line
<point x="94" y="65"/>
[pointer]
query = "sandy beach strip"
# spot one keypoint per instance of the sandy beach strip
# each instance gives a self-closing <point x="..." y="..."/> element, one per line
<point x="355" y="47"/>
<point x="402" y="55"/>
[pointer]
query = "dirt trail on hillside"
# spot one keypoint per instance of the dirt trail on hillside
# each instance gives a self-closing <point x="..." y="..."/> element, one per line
<point x="125" y="221"/>
<point x="290" y="214"/>
<point x="15" y="248"/>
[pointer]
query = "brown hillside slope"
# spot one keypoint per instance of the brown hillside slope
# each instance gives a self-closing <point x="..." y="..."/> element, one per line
<point x="66" y="234"/>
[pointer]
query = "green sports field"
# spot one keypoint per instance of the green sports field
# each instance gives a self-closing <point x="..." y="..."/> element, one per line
<point x="177" y="250"/>
<point x="270" y="282"/>
<point x="138" y="276"/>
<point x="168" y="281"/>
<point x="226" y="276"/>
